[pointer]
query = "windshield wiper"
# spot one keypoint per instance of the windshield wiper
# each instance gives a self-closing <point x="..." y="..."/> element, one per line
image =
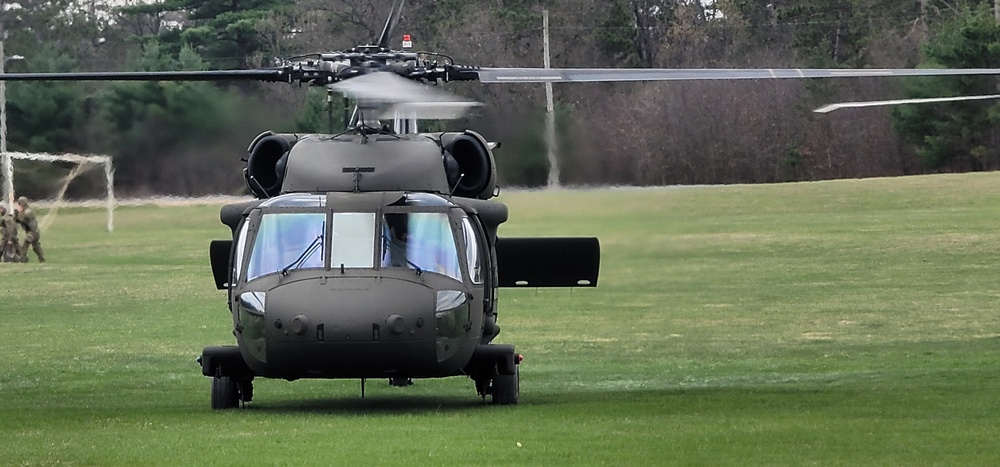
<point x="316" y="244"/>
<point x="395" y="250"/>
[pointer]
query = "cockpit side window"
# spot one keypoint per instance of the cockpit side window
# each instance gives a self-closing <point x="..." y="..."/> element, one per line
<point x="472" y="253"/>
<point x="240" y="248"/>
<point x="287" y="241"/>
<point x="421" y="241"/>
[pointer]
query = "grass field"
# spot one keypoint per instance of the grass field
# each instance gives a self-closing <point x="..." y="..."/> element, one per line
<point x="847" y="322"/>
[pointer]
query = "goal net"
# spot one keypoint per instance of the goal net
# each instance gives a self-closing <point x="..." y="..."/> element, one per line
<point x="83" y="164"/>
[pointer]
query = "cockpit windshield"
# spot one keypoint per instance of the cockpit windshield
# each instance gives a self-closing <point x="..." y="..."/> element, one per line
<point x="353" y="243"/>
<point x="392" y="237"/>
<point x="288" y="241"/>
<point x="422" y="241"/>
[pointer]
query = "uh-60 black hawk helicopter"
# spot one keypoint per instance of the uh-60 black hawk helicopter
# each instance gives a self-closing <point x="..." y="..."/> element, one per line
<point x="373" y="252"/>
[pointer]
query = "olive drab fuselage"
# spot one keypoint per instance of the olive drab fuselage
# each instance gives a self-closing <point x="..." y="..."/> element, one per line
<point x="326" y="287"/>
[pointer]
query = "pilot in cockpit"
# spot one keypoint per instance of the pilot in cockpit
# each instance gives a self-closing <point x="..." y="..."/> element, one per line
<point x="394" y="237"/>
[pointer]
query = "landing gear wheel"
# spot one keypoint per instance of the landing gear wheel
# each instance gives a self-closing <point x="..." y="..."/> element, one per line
<point x="225" y="393"/>
<point x="507" y="388"/>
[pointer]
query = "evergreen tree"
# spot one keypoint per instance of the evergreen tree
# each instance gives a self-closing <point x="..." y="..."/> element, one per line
<point x="959" y="132"/>
<point x="229" y="34"/>
<point x="618" y="33"/>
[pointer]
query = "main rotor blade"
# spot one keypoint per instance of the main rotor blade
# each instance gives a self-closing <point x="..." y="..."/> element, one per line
<point x="211" y="75"/>
<point x="925" y="100"/>
<point x="390" y="24"/>
<point x="428" y="110"/>
<point x="390" y="88"/>
<point x="594" y="75"/>
<point x="391" y="94"/>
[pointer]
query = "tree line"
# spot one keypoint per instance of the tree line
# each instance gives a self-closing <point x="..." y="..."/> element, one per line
<point x="186" y="138"/>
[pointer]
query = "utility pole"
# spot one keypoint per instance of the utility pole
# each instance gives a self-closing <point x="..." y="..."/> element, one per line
<point x="550" y="112"/>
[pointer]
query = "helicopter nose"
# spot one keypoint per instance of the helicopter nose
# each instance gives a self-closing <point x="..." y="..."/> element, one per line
<point x="350" y="310"/>
<point x="349" y="327"/>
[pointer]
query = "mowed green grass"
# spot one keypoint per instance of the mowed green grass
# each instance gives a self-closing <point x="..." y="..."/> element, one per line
<point x="846" y="322"/>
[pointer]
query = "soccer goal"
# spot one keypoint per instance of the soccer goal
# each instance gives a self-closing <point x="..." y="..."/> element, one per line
<point x="83" y="163"/>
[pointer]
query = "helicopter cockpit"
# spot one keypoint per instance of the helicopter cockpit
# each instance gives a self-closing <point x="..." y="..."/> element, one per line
<point x="422" y="241"/>
<point x="418" y="231"/>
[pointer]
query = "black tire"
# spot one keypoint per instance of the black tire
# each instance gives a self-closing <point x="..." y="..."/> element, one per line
<point x="225" y="393"/>
<point x="507" y="388"/>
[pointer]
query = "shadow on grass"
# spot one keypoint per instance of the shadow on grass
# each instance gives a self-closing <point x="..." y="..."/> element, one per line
<point x="401" y="404"/>
<point x="669" y="400"/>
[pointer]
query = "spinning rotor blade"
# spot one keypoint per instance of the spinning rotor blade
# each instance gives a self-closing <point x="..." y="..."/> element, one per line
<point x="390" y="24"/>
<point x="926" y="100"/>
<point x="323" y="71"/>
<point x="428" y="110"/>
<point x="389" y="88"/>
<point x="390" y="93"/>
<point x="594" y="75"/>
<point x="214" y="75"/>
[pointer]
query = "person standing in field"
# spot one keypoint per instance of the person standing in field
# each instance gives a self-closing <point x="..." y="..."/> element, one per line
<point x="32" y="236"/>
<point x="10" y="249"/>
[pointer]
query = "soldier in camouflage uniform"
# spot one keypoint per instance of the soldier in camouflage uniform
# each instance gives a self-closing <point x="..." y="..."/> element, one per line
<point x="26" y="217"/>
<point x="10" y="249"/>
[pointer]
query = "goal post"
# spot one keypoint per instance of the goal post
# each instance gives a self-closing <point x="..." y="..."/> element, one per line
<point x="83" y="162"/>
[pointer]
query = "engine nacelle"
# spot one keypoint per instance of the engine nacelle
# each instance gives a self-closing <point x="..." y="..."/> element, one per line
<point x="469" y="164"/>
<point x="288" y="163"/>
<point x="265" y="171"/>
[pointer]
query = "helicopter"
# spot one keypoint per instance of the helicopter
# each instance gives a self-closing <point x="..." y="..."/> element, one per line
<point x="373" y="253"/>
